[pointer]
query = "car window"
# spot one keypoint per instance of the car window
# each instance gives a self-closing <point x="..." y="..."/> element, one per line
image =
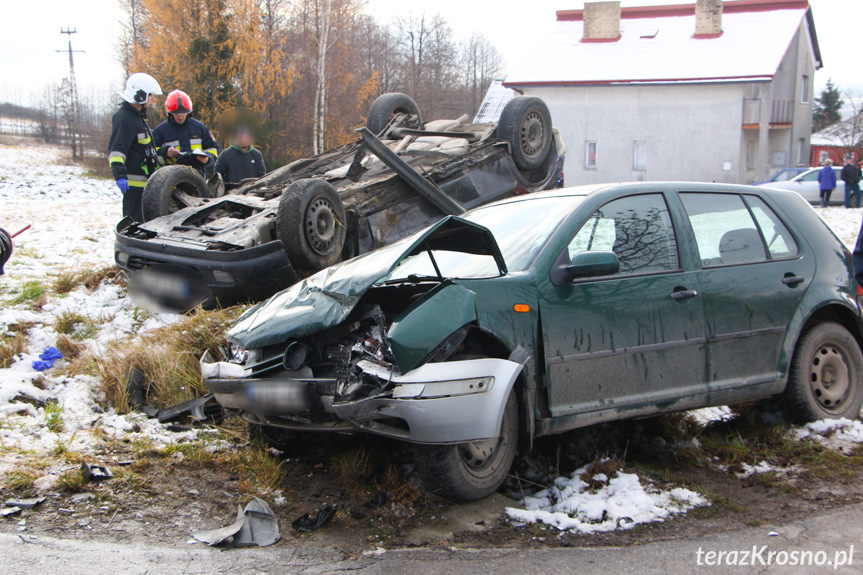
<point x="636" y="228"/>
<point x="780" y="242"/>
<point x="724" y="229"/>
<point x="786" y="175"/>
<point x="810" y="177"/>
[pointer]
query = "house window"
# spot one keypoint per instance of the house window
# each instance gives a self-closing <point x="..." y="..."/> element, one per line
<point x="750" y="154"/>
<point x="639" y="155"/>
<point x="590" y="156"/>
<point x="804" y="89"/>
<point x="801" y="151"/>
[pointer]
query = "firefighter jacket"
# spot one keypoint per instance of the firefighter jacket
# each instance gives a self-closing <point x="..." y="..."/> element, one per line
<point x="131" y="154"/>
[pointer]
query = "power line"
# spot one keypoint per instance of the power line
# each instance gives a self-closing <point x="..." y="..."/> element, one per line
<point x="75" y="119"/>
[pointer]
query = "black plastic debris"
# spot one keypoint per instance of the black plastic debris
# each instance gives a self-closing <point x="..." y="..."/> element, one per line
<point x="25" y="503"/>
<point x="307" y="524"/>
<point x="137" y="386"/>
<point x="256" y="525"/>
<point x="95" y="472"/>
<point x="197" y="409"/>
<point x="377" y="501"/>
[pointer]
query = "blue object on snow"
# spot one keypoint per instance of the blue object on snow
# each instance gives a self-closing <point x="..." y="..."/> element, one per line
<point x="47" y="357"/>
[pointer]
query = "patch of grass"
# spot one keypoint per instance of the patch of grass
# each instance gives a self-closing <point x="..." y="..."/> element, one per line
<point x="31" y="292"/>
<point x="70" y="349"/>
<point x="20" y="479"/>
<point x="167" y="357"/>
<point x="75" y="325"/>
<point x="260" y="473"/>
<point x="68" y="280"/>
<point x="608" y="466"/>
<point x="54" y="417"/>
<point x="11" y="344"/>
<point x="72" y="481"/>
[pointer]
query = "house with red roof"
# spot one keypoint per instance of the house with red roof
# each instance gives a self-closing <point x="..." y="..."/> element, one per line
<point x="711" y="91"/>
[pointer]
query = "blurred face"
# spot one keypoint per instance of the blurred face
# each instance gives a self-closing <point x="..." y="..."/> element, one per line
<point x="151" y="101"/>
<point x="243" y="139"/>
<point x="180" y="118"/>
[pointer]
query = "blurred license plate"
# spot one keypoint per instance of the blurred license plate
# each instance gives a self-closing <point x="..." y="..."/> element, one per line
<point x="284" y="396"/>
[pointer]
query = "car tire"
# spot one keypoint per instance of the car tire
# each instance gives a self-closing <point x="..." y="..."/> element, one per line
<point x="160" y="198"/>
<point x="382" y="109"/>
<point x="310" y="222"/>
<point x="283" y="440"/>
<point x="824" y="381"/>
<point x="525" y="123"/>
<point x="457" y="472"/>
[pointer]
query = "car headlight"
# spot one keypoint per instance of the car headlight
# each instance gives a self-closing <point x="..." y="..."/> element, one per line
<point x="237" y="354"/>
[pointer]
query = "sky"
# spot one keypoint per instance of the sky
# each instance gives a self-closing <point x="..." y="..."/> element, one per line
<point x="29" y="61"/>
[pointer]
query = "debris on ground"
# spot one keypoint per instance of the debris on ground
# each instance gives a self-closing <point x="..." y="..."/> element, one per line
<point x="10" y="511"/>
<point x="47" y="358"/>
<point x="307" y="523"/>
<point x="377" y="501"/>
<point x="256" y="525"/>
<point x="25" y="503"/>
<point x="95" y="472"/>
<point x="196" y="408"/>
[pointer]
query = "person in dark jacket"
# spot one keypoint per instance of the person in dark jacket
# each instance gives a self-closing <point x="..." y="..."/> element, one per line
<point x="851" y="176"/>
<point x="827" y="182"/>
<point x="131" y="154"/>
<point x="241" y="160"/>
<point x="182" y="134"/>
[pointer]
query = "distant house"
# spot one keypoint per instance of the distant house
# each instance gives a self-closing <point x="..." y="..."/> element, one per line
<point x="837" y="141"/>
<point x="709" y="91"/>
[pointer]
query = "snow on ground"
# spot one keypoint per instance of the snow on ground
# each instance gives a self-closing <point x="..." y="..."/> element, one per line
<point x="619" y="502"/>
<point x="844" y="222"/>
<point x="72" y="218"/>
<point x="840" y="433"/>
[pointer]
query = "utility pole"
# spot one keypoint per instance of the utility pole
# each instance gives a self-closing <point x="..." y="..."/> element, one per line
<point x="75" y="118"/>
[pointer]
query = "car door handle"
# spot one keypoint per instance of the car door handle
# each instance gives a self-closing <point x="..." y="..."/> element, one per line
<point x="684" y="294"/>
<point x="792" y="280"/>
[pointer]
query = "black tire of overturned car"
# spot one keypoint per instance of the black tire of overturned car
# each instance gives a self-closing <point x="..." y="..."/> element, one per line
<point x="159" y="199"/>
<point x="525" y="123"/>
<point x="826" y="375"/>
<point x="382" y="109"/>
<point x="456" y="471"/>
<point x="310" y="223"/>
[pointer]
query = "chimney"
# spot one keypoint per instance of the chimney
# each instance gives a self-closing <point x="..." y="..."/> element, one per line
<point x="708" y="18"/>
<point x="601" y="21"/>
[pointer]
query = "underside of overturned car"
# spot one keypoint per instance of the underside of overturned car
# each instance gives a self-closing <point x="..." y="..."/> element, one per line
<point x="398" y="177"/>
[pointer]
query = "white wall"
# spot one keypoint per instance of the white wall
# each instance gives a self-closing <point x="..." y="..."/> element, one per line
<point x="690" y="130"/>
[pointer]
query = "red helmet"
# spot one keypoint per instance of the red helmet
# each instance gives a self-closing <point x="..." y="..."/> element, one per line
<point x="178" y="102"/>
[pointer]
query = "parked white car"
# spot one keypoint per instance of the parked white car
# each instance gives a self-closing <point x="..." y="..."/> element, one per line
<point x="806" y="184"/>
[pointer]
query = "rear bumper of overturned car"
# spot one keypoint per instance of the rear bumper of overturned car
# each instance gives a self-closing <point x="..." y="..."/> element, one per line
<point x="437" y="403"/>
<point x="249" y="274"/>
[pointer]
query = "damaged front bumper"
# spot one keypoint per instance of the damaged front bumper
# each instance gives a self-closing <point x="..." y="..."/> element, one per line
<point x="437" y="403"/>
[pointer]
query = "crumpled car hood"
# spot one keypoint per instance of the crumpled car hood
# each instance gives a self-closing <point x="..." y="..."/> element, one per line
<point x="327" y="298"/>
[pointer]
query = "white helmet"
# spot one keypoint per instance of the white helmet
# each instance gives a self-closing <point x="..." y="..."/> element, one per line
<point x="139" y="87"/>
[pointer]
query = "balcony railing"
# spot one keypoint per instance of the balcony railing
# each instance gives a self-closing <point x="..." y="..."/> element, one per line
<point x="781" y="113"/>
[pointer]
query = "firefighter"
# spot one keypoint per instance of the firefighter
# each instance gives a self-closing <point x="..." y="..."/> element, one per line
<point x="130" y="152"/>
<point x="183" y="139"/>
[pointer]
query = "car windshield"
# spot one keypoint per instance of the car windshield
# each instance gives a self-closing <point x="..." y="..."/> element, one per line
<point x="520" y="228"/>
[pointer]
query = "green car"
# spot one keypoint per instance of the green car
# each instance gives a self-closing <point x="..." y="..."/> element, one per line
<point x="552" y="311"/>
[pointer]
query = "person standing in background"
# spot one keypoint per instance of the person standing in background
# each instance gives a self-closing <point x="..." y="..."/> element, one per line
<point x="131" y="153"/>
<point x="851" y="176"/>
<point x="827" y="182"/>
<point x="241" y="160"/>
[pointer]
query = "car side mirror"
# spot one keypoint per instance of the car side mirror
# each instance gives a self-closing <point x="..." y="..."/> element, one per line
<point x="592" y="264"/>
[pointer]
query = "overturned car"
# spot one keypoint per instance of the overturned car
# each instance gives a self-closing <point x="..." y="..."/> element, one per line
<point x="199" y="245"/>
